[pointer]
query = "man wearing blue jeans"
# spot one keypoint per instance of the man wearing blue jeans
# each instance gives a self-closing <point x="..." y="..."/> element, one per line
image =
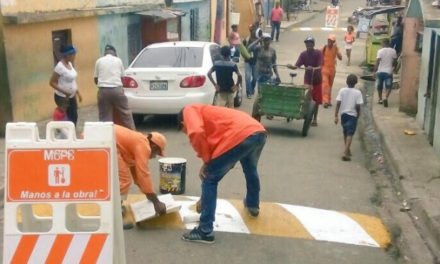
<point x="385" y="66"/>
<point x="222" y="137"/>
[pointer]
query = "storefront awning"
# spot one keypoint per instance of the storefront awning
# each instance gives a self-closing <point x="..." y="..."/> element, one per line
<point x="162" y="14"/>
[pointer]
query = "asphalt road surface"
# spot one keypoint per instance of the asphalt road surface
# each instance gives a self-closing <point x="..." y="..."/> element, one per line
<point x="310" y="197"/>
<point x="293" y="170"/>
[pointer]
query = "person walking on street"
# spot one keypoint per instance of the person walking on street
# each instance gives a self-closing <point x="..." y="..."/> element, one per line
<point x="349" y="101"/>
<point x="225" y="86"/>
<point x="112" y="102"/>
<point x="330" y="52"/>
<point x="311" y="59"/>
<point x="276" y="16"/>
<point x="63" y="81"/>
<point x="222" y="137"/>
<point x="134" y="150"/>
<point x="266" y="58"/>
<point x="349" y="39"/>
<point x="384" y="68"/>
<point x="250" y="73"/>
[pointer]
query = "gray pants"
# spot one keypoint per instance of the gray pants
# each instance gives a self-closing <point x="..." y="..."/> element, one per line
<point x="113" y="106"/>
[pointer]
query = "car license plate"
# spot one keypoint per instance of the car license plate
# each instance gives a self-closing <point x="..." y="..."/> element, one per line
<point x="158" y="85"/>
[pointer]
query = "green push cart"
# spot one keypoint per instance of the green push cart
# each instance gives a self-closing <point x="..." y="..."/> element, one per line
<point x="285" y="100"/>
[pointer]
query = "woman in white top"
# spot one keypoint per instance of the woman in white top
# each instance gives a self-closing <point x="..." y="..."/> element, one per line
<point x="63" y="81"/>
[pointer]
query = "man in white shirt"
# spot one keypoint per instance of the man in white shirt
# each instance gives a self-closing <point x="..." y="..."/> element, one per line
<point x="112" y="102"/>
<point x="349" y="101"/>
<point x="385" y="65"/>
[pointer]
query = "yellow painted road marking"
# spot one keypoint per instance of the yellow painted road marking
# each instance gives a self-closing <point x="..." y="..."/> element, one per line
<point x="279" y="220"/>
<point x="273" y="221"/>
<point x="374" y="227"/>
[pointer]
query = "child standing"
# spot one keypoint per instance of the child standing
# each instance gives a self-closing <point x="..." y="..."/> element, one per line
<point x="349" y="39"/>
<point x="234" y="41"/>
<point x="349" y="101"/>
<point x="60" y="114"/>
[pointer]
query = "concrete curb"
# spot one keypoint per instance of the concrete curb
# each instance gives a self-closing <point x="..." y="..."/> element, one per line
<point x="421" y="208"/>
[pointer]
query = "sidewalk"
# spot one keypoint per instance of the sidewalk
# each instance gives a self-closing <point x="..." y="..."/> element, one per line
<point x="416" y="164"/>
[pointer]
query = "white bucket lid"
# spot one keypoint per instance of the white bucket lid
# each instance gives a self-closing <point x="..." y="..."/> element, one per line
<point x="172" y="160"/>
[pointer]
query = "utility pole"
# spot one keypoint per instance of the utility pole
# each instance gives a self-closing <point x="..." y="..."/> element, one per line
<point x="5" y="94"/>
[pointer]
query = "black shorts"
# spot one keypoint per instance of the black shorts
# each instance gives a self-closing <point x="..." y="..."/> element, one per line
<point x="349" y="124"/>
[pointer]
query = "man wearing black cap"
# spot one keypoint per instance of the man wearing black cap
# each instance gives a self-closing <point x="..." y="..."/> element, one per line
<point x="112" y="102"/>
<point x="311" y="59"/>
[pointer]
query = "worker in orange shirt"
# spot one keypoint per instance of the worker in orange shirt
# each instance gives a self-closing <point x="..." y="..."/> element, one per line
<point x="330" y="52"/>
<point x="222" y="137"/>
<point x="134" y="151"/>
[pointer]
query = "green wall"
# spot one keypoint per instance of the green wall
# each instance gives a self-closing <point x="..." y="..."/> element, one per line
<point x="113" y="29"/>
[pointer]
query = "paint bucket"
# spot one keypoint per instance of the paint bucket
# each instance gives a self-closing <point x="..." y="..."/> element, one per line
<point x="172" y="175"/>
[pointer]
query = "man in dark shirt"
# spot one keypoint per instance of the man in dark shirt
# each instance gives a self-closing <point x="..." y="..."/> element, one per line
<point x="225" y="86"/>
<point x="311" y="59"/>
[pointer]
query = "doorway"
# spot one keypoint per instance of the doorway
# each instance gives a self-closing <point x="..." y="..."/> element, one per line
<point x="433" y="85"/>
<point x="60" y="38"/>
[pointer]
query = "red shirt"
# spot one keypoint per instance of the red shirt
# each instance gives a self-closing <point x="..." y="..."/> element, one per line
<point x="214" y="130"/>
<point x="276" y="14"/>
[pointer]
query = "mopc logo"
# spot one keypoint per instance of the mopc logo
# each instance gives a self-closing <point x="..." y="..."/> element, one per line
<point x="59" y="175"/>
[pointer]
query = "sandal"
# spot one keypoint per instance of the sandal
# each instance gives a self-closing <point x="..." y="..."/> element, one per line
<point x="196" y="235"/>
<point x="314" y="123"/>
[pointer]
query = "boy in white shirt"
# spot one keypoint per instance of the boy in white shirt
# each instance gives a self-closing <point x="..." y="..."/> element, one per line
<point x="349" y="101"/>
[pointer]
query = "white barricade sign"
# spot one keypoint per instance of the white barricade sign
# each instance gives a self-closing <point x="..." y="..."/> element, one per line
<point x="332" y="16"/>
<point x="50" y="183"/>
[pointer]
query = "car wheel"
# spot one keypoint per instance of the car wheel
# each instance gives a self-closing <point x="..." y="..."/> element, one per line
<point x="138" y="118"/>
<point x="238" y="98"/>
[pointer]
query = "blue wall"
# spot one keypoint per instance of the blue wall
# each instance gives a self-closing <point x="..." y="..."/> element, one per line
<point x="204" y="30"/>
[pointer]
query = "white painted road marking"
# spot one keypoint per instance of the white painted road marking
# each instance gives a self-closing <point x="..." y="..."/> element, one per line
<point x="318" y="29"/>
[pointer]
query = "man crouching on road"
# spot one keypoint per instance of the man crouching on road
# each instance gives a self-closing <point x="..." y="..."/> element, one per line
<point x="222" y="137"/>
<point x="134" y="151"/>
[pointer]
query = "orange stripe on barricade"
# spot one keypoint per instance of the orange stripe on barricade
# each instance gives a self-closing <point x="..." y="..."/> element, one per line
<point x="59" y="249"/>
<point x="24" y="249"/>
<point x="93" y="248"/>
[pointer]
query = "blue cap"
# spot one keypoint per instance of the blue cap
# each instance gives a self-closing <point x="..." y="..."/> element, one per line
<point x="67" y="50"/>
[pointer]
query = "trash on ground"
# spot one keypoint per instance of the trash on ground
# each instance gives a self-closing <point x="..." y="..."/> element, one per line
<point x="405" y="207"/>
<point x="409" y="132"/>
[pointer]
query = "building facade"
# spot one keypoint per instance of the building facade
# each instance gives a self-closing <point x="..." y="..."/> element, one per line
<point x="426" y="18"/>
<point x="32" y="32"/>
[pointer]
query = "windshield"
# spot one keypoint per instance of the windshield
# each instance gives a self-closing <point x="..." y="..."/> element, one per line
<point x="170" y="57"/>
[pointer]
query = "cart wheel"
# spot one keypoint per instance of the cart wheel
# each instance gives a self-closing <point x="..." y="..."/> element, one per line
<point x="308" y="118"/>
<point x="256" y="110"/>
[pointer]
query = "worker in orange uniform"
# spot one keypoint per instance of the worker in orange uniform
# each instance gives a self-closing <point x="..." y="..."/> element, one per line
<point x="330" y="52"/>
<point x="222" y="137"/>
<point x="134" y="151"/>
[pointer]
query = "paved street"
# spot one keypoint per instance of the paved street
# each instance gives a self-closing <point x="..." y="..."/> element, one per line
<point x="294" y="171"/>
